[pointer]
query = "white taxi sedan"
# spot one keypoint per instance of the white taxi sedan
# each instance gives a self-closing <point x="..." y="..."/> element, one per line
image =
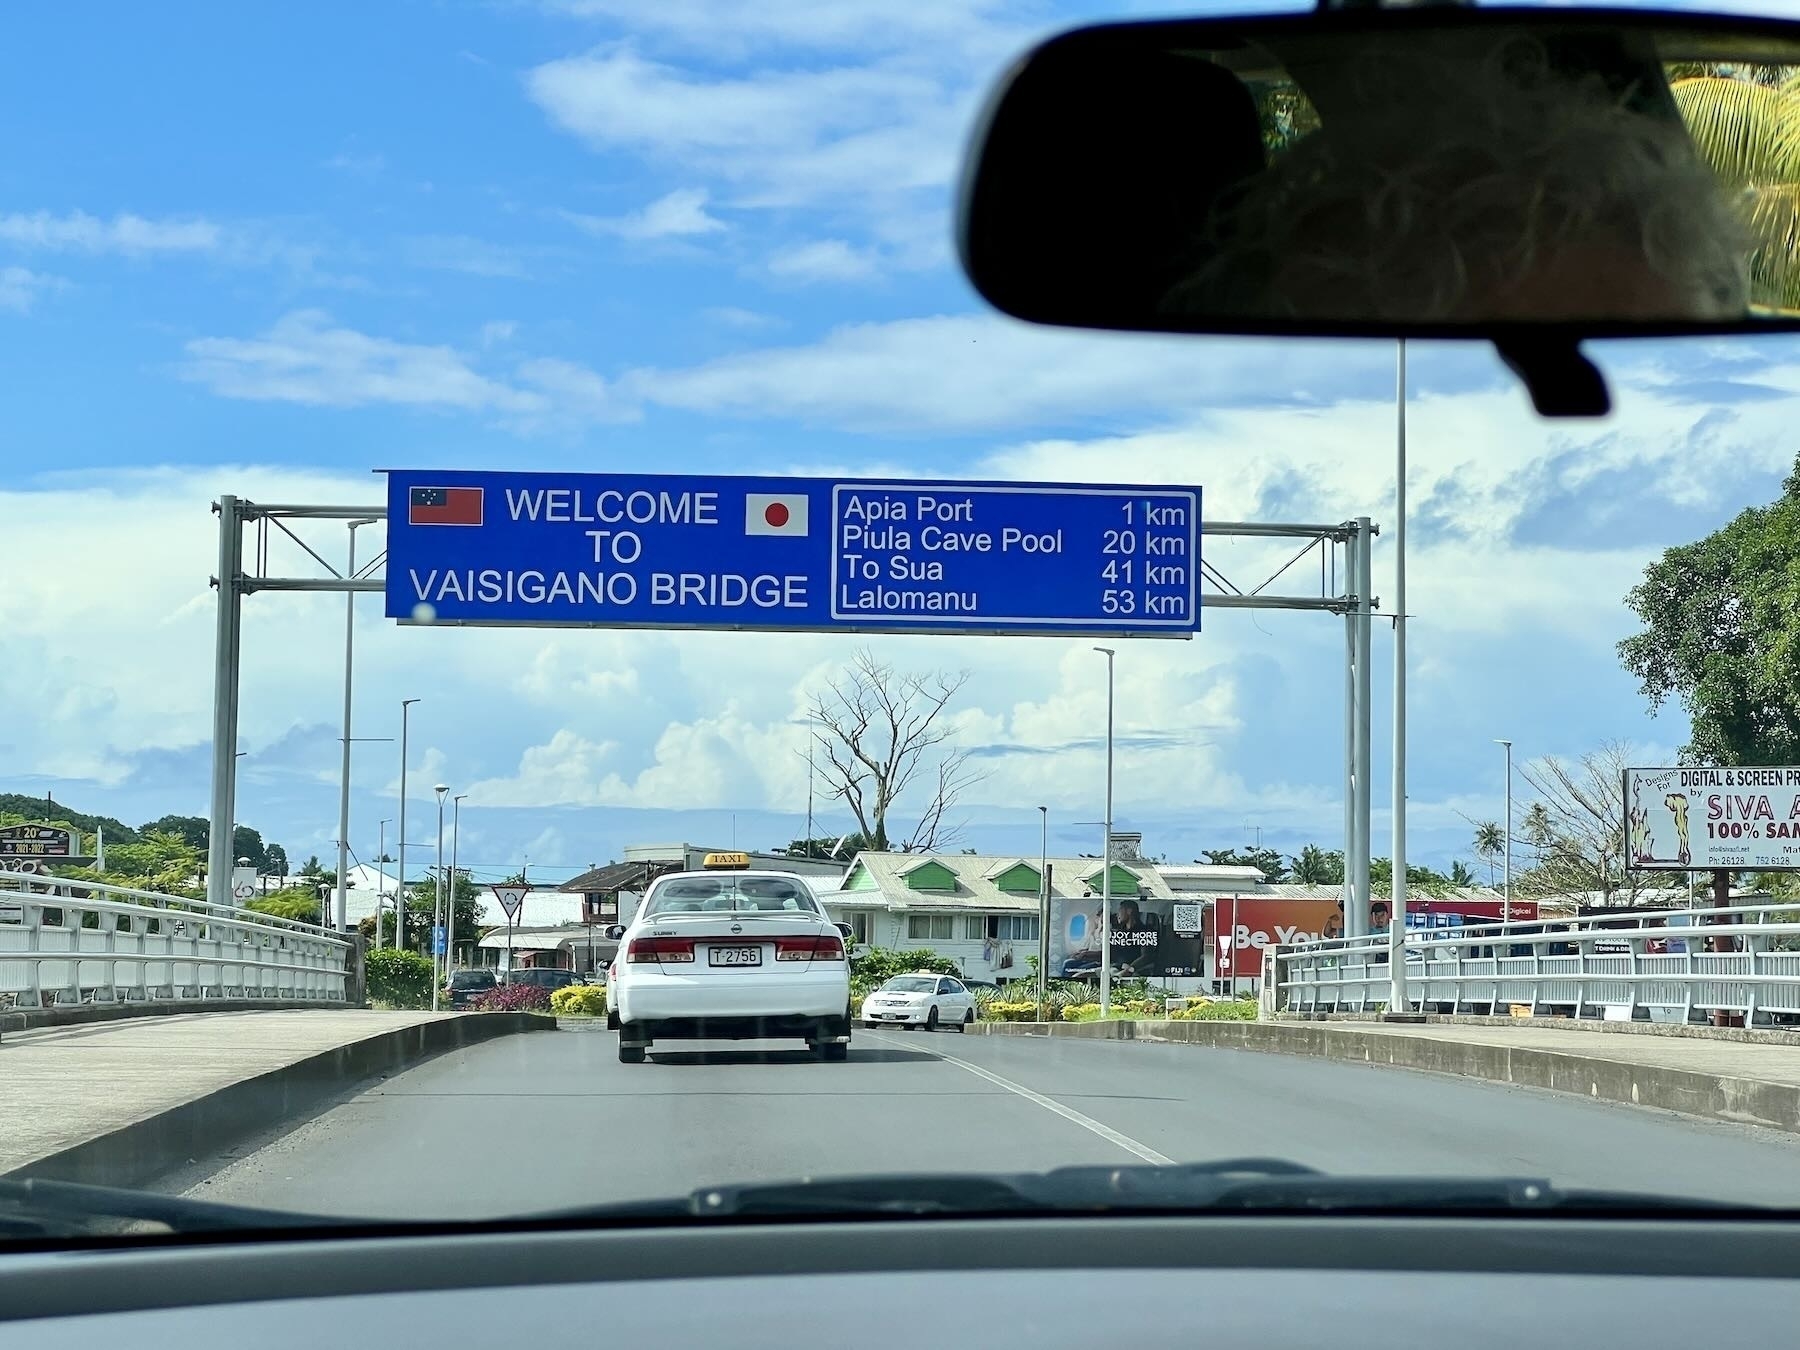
<point x="922" y="1000"/>
<point x="730" y="954"/>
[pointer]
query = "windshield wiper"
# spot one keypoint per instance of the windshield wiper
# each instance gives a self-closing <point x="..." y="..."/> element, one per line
<point x="1233" y="1185"/>
<point x="37" y="1208"/>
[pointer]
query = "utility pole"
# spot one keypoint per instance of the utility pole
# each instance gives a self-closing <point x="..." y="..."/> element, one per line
<point x="381" y="885"/>
<point x="450" y="904"/>
<point x="1043" y="903"/>
<point x="438" y="909"/>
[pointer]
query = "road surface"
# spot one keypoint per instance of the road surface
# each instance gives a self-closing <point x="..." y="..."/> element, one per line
<point x="552" y="1119"/>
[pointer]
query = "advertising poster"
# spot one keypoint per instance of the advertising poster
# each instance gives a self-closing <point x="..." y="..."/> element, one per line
<point x="1699" y="819"/>
<point x="1246" y="926"/>
<point x="1151" y="939"/>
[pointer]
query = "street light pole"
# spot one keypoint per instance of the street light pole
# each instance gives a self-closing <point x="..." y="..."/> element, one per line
<point x="1397" y="999"/>
<point x="400" y="887"/>
<point x="450" y="901"/>
<point x="1506" y="911"/>
<point x="438" y="908"/>
<point x="1106" y="853"/>
<point x="342" y="911"/>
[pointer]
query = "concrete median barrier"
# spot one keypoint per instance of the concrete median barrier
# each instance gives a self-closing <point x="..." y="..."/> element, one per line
<point x="1757" y="1085"/>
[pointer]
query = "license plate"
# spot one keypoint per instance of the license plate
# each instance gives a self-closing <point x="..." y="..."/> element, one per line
<point x="734" y="956"/>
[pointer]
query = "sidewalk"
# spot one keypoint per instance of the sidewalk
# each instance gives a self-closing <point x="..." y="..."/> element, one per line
<point x="116" y="1102"/>
<point x="1748" y="1078"/>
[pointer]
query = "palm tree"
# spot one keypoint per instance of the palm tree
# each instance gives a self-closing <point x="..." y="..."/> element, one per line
<point x="1460" y="875"/>
<point x="1745" y="121"/>
<point x="1490" y="843"/>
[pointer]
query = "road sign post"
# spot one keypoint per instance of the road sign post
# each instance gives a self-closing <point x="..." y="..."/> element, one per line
<point x="512" y="901"/>
<point x="784" y="554"/>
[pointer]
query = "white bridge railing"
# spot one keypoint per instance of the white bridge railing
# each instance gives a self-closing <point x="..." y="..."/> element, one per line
<point x="64" y="943"/>
<point x="1662" y="964"/>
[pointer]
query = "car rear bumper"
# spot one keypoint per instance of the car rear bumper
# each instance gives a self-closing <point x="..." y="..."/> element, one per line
<point x="736" y="1006"/>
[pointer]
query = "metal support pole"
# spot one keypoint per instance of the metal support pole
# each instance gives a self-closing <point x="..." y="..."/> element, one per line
<point x="1043" y="903"/>
<point x="438" y="908"/>
<point x="450" y="901"/>
<point x="381" y="885"/>
<point x="1506" y="908"/>
<point x="341" y="914"/>
<point x="400" y="888"/>
<point x="1365" y="609"/>
<point x="1106" y="853"/>
<point x="1355" y="925"/>
<point x="226" y="648"/>
<point x="1397" y="1000"/>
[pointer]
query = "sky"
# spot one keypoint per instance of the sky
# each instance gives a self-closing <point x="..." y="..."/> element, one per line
<point x="271" y="250"/>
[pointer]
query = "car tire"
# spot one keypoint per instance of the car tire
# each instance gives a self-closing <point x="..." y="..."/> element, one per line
<point x="968" y="1017"/>
<point x="931" y="1019"/>
<point x="832" y="1052"/>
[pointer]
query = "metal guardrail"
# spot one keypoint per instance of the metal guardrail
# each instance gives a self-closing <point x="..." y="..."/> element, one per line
<point x="65" y="943"/>
<point x="1663" y="962"/>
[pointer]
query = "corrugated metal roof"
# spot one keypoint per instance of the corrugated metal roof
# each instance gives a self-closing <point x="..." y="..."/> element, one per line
<point x="975" y="882"/>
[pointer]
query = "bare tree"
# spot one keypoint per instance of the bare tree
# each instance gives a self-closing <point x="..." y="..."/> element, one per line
<point x="1579" y="832"/>
<point x="883" y="735"/>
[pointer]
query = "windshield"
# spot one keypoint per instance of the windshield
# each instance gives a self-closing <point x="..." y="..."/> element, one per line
<point x="535" y="588"/>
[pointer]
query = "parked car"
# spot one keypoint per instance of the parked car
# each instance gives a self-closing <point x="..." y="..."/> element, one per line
<point x="466" y="986"/>
<point x="549" y="978"/>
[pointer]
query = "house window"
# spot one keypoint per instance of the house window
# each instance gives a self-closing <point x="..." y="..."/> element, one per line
<point x="1018" y="928"/>
<point x="974" y="927"/>
<point x="931" y="927"/>
<point x="858" y="919"/>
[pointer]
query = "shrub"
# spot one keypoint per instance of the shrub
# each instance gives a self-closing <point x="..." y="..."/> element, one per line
<point x="1004" y="1011"/>
<point x="1081" y="1012"/>
<point x="579" y="1000"/>
<point x="398" y="979"/>
<point x="515" y="998"/>
<point x="1218" y="1010"/>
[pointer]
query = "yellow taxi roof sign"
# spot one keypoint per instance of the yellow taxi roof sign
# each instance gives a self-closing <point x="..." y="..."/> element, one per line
<point x="724" y="862"/>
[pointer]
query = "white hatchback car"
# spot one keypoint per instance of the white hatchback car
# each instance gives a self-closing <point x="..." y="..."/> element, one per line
<point x="730" y="955"/>
<point x="922" y="1000"/>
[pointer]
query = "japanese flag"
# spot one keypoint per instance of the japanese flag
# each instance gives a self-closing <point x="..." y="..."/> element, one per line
<point x="770" y="513"/>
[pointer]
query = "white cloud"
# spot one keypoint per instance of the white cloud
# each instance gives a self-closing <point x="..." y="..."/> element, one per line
<point x="20" y="288"/>
<point x="823" y="260"/>
<point x="782" y="137"/>
<point x="79" y="232"/>
<point x="303" y="358"/>
<point x="714" y="27"/>
<point x="680" y="214"/>
<point x="731" y="316"/>
<point x="466" y="254"/>
<point x="498" y="331"/>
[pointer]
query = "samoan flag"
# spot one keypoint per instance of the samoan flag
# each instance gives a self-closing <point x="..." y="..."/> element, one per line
<point x="444" y="506"/>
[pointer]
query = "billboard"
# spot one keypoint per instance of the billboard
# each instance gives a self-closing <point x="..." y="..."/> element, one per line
<point x="1151" y="938"/>
<point x="39" y="843"/>
<point x="1246" y="926"/>
<point x="1698" y="819"/>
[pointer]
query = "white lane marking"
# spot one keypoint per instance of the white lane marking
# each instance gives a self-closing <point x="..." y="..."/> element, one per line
<point x="1068" y="1113"/>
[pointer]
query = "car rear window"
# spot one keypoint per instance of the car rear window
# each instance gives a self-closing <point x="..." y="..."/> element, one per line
<point x="471" y="979"/>
<point x="727" y="894"/>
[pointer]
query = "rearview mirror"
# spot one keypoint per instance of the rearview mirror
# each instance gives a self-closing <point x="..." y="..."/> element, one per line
<point x="615" y="931"/>
<point x="1534" y="176"/>
<point x="846" y="930"/>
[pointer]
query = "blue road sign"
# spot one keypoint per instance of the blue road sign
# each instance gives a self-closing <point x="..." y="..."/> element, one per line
<point x="666" y="551"/>
<point x="437" y="939"/>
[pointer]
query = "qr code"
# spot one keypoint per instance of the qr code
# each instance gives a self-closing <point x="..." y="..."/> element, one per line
<point x="1187" y="918"/>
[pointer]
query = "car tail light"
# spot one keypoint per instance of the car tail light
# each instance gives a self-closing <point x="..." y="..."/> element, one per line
<point x="663" y="949"/>
<point x="823" y="947"/>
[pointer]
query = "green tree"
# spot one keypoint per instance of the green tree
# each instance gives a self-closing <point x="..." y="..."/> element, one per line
<point x="1265" y="860"/>
<point x="18" y="808"/>
<point x="1745" y="121"/>
<point x="248" y="843"/>
<point x="827" y="846"/>
<point x="275" y="856"/>
<point x="292" y="902"/>
<point x="192" y="829"/>
<point x="421" y="906"/>
<point x="877" y="965"/>
<point x="1490" y="845"/>
<point x="1721" y="635"/>
<point x="1460" y="875"/>
<point x="1314" y="866"/>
